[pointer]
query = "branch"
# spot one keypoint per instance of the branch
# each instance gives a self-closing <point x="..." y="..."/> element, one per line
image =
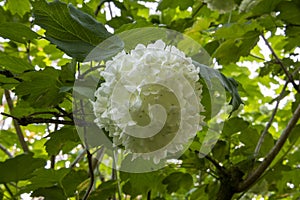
<point x="5" y="150"/>
<point x="24" y="121"/>
<point x="15" y="122"/>
<point x="289" y="76"/>
<point x="261" y="139"/>
<point x="91" y="170"/>
<point x="272" y="154"/>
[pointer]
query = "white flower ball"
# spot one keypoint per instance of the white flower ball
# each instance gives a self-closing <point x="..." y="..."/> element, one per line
<point x="150" y="101"/>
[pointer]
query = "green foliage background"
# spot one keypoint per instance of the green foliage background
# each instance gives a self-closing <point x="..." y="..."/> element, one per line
<point x="43" y="44"/>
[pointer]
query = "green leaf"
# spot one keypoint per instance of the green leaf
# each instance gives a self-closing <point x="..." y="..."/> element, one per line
<point x="7" y="83"/>
<point x="17" y="32"/>
<point x="234" y="125"/>
<point x="293" y="37"/>
<point x="267" y="144"/>
<point x="140" y="183"/>
<point x="200" y="192"/>
<point x="183" y="5"/>
<point x="220" y="150"/>
<point x="105" y="190"/>
<point x="119" y="21"/>
<point x="43" y="178"/>
<point x="232" y="49"/>
<point x="51" y="193"/>
<point x="258" y="7"/>
<point x="289" y="12"/>
<point x="296" y="102"/>
<point x="41" y="88"/>
<point x="294" y="135"/>
<point x="19" y="7"/>
<point x="71" y="181"/>
<point x="14" y="64"/>
<point x="210" y="74"/>
<point x="73" y="31"/>
<point x="220" y="5"/>
<point x="64" y="139"/>
<point x="178" y="180"/>
<point x="8" y="138"/>
<point x="249" y="137"/>
<point x="14" y="170"/>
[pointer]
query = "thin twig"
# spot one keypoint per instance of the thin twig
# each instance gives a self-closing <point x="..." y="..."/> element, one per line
<point x="215" y="163"/>
<point x="98" y="158"/>
<point x="197" y="10"/>
<point x="253" y="177"/>
<point x="52" y="160"/>
<point x="5" y="150"/>
<point x="70" y="115"/>
<point x="289" y="76"/>
<point x="99" y="8"/>
<point x="81" y="76"/>
<point x="110" y="10"/>
<point x="89" y="155"/>
<point x="15" y="122"/>
<point x="257" y="57"/>
<point x="28" y="52"/>
<point x="9" y="191"/>
<point x="78" y="158"/>
<point x="261" y="139"/>
<point x="149" y="195"/>
<point x="114" y="175"/>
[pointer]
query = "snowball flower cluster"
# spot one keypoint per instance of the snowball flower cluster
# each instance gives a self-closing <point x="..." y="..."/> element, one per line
<point x="150" y="101"/>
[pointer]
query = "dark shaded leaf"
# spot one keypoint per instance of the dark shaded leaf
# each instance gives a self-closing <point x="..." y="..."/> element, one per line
<point x="234" y="125"/>
<point x="64" y="139"/>
<point x="105" y="191"/>
<point x="7" y="83"/>
<point x="140" y="183"/>
<point x="71" y="181"/>
<point x="209" y="74"/>
<point x="51" y="193"/>
<point x="220" y="150"/>
<point x="178" y="180"/>
<point x="41" y="88"/>
<point x="19" y="168"/>
<point x="73" y="31"/>
<point x="289" y="12"/>
<point x="43" y="178"/>
<point x="294" y="135"/>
